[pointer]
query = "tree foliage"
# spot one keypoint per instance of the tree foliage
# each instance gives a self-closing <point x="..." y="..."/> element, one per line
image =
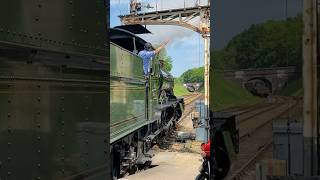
<point x="167" y="59"/>
<point x="270" y="44"/>
<point x="195" y="75"/>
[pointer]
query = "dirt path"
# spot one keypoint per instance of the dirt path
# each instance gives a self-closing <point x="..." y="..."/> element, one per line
<point x="171" y="165"/>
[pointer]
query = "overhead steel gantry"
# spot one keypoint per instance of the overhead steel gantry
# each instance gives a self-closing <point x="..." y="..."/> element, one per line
<point x="179" y="17"/>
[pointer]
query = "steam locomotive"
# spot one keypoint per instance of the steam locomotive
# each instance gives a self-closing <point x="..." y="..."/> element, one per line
<point x="141" y="110"/>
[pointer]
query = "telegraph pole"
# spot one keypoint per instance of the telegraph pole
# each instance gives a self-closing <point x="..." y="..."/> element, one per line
<point x="310" y="86"/>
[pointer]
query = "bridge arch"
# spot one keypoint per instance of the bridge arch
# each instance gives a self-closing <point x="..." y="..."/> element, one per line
<point x="260" y="86"/>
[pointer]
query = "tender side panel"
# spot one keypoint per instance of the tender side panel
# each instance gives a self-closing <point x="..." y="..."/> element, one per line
<point x="74" y="26"/>
<point x="127" y="93"/>
<point x="125" y="64"/>
<point x="53" y="122"/>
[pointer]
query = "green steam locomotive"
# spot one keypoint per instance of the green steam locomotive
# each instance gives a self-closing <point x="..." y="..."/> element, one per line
<point x="141" y="110"/>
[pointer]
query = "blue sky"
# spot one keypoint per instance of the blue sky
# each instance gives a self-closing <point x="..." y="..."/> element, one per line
<point x="186" y="47"/>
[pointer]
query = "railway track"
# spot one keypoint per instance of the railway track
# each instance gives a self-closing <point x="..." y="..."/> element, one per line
<point x="252" y="112"/>
<point x="255" y="123"/>
<point x="188" y="106"/>
<point x="240" y="109"/>
<point x="256" y="140"/>
<point x="190" y="98"/>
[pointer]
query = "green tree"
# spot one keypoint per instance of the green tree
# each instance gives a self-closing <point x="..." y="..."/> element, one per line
<point x="195" y="75"/>
<point x="270" y="44"/>
<point x="165" y="57"/>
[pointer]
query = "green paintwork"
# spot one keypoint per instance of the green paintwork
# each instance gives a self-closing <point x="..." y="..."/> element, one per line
<point x="54" y="121"/>
<point x="128" y="93"/>
<point x="167" y="79"/>
<point x="125" y="64"/>
<point x="51" y="119"/>
<point x="76" y="26"/>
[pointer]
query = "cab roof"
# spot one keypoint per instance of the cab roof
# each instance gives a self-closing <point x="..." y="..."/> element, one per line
<point x="125" y="37"/>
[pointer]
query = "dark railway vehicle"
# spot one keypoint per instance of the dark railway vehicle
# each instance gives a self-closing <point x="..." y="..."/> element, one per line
<point x="192" y="87"/>
<point x="258" y="88"/>
<point x="141" y="111"/>
<point x="53" y="90"/>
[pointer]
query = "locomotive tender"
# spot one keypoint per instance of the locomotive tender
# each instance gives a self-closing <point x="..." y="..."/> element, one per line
<point x="54" y="97"/>
<point x="141" y="110"/>
<point x="54" y="121"/>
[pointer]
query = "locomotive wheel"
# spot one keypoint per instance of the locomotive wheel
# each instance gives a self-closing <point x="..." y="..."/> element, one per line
<point x="133" y="170"/>
<point x="147" y="165"/>
<point x="178" y="113"/>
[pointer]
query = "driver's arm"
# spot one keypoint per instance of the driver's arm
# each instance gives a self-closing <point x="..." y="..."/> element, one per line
<point x="161" y="47"/>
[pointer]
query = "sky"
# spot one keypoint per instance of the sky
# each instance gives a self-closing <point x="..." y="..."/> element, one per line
<point x="228" y="18"/>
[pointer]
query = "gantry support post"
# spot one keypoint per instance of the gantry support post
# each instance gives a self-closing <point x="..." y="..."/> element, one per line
<point x="206" y="72"/>
<point x="206" y="79"/>
<point x="310" y="87"/>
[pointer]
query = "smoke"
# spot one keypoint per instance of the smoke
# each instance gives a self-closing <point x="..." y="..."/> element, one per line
<point x="176" y="34"/>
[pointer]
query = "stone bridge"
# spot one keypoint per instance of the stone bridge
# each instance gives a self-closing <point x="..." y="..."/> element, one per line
<point x="273" y="78"/>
